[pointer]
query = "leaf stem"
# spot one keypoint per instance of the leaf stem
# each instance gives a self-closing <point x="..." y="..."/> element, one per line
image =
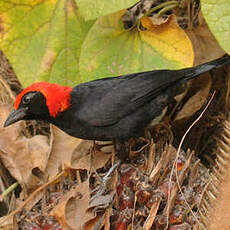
<point x="8" y="190"/>
<point x="162" y="5"/>
<point x="165" y="9"/>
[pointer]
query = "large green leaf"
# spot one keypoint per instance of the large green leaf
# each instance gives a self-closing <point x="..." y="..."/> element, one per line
<point x="217" y="15"/>
<point x="92" y="9"/>
<point x="109" y="50"/>
<point x="42" y="39"/>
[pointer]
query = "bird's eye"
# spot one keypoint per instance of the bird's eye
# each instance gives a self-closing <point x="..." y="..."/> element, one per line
<point x="26" y="100"/>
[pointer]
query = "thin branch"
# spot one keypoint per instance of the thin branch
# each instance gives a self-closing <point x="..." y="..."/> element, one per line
<point x="176" y="159"/>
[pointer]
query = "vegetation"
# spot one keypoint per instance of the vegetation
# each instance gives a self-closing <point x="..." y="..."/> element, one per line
<point x="49" y="180"/>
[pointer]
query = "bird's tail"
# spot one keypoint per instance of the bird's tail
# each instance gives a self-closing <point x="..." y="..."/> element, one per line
<point x="203" y="68"/>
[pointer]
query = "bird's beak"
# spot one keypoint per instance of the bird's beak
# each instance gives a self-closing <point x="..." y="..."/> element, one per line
<point x="16" y="115"/>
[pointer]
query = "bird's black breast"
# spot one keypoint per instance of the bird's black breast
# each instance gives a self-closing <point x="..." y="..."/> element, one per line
<point x="85" y="118"/>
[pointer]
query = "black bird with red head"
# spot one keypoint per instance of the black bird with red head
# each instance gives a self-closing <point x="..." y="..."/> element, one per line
<point x="116" y="109"/>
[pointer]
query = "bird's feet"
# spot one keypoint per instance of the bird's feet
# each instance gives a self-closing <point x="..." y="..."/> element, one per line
<point x="126" y="149"/>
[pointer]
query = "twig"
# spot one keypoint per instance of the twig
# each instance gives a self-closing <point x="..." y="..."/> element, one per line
<point x="17" y="210"/>
<point x="176" y="159"/>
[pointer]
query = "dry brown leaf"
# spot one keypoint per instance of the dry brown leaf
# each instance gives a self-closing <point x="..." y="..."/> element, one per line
<point x="101" y="201"/>
<point x="59" y="211"/>
<point x="94" y="161"/>
<point x="72" y="210"/>
<point x="20" y="154"/>
<point x="96" y="223"/>
<point x="63" y="148"/>
<point x="76" y="211"/>
<point x="205" y="46"/>
<point x="202" y="86"/>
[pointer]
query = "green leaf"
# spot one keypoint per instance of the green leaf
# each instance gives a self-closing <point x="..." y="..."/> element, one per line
<point x="91" y="9"/>
<point x="217" y="15"/>
<point x="109" y="50"/>
<point x="42" y="39"/>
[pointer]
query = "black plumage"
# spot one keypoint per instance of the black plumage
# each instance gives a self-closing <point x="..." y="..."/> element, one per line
<point x="119" y="108"/>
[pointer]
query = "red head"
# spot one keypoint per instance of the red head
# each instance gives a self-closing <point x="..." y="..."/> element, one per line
<point x="57" y="97"/>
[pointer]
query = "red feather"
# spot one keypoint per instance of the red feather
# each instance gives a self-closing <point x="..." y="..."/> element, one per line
<point x="57" y="97"/>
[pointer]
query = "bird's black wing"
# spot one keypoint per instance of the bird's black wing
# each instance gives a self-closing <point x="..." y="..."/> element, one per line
<point x="112" y="99"/>
<point x="124" y="96"/>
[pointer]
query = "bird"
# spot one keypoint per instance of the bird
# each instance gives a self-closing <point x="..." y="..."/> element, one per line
<point x="109" y="109"/>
